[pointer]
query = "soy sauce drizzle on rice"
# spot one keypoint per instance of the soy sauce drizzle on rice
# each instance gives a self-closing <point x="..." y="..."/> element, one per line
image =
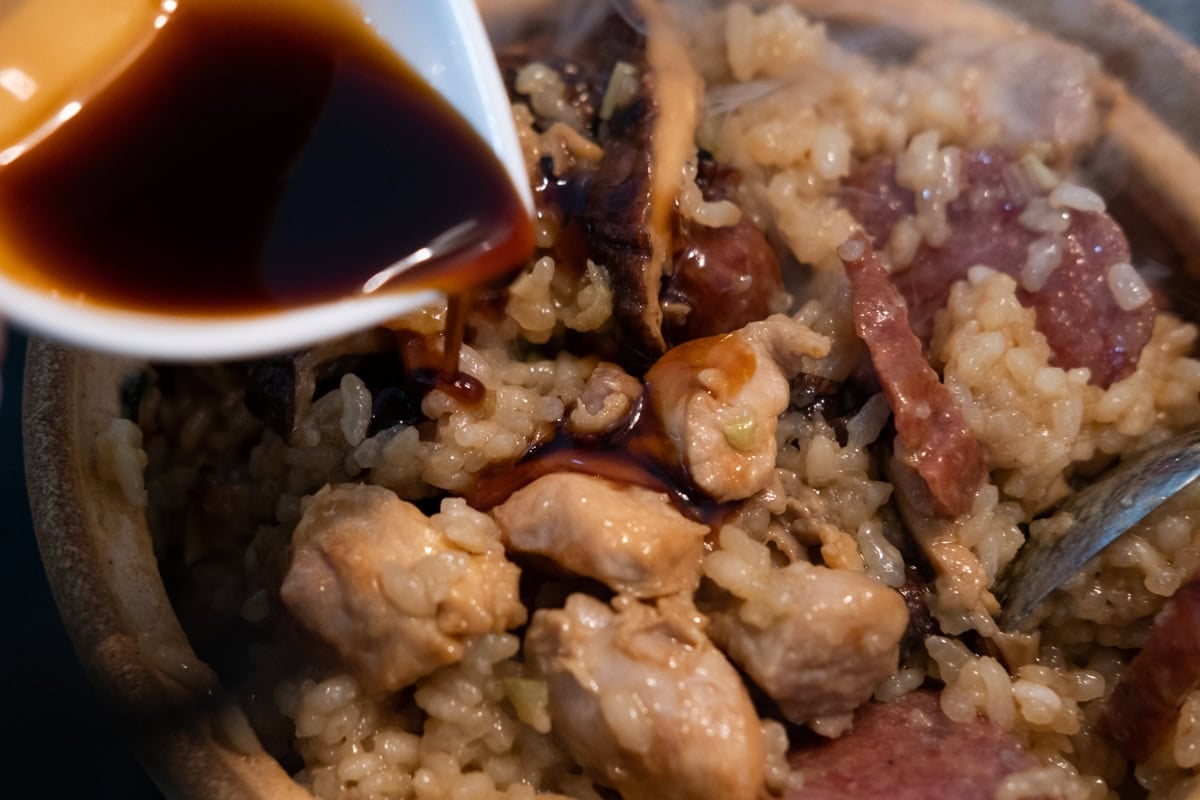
<point x="635" y="453"/>
<point x="429" y="369"/>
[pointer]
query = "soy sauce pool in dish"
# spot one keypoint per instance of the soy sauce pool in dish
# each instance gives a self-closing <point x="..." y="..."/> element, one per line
<point x="257" y="156"/>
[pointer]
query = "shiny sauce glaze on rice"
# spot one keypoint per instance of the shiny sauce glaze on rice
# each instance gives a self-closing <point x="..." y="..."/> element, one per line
<point x="811" y="345"/>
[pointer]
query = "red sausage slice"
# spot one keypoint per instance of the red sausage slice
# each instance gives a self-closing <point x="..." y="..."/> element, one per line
<point x="929" y="424"/>
<point x="1145" y="703"/>
<point x="1076" y="308"/>
<point x="908" y="750"/>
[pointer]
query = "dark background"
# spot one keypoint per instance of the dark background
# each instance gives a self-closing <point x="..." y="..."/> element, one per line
<point x="63" y="745"/>
<point x="60" y="743"/>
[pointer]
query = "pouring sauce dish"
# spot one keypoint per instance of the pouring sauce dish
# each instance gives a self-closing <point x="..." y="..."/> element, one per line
<point x="213" y="180"/>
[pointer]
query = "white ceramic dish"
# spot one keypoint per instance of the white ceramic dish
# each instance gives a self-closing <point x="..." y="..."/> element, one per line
<point x="445" y="43"/>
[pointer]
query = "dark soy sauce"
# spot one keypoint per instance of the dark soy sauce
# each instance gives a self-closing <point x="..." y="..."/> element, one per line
<point x="258" y="156"/>
<point x="430" y="369"/>
<point x="636" y="453"/>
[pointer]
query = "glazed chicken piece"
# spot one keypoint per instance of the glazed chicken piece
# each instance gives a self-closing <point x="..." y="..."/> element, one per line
<point x="629" y="538"/>
<point x="817" y="640"/>
<point x="643" y="700"/>
<point x="390" y="593"/>
<point x="718" y="400"/>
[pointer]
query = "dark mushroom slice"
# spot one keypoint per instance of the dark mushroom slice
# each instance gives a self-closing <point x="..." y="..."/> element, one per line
<point x="584" y="52"/>
<point x="631" y="198"/>
<point x="618" y="215"/>
<point x="916" y="590"/>
<point x="279" y="389"/>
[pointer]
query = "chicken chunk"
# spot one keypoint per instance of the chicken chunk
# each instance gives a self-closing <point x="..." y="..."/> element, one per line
<point x="629" y="538"/>
<point x="817" y="640"/>
<point x="718" y="400"/>
<point x="608" y="400"/>
<point x="393" y="595"/>
<point x="644" y="701"/>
